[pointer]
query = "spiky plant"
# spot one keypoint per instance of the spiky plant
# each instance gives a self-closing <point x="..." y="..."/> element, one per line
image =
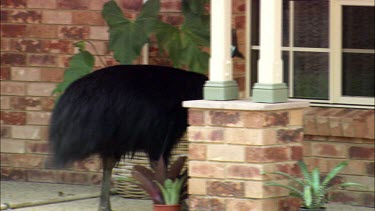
<point x="310" y="189"/>
<point x="165" y="186"/>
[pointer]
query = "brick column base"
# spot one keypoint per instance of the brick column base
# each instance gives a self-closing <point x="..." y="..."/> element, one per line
<point x="231" y="143"/>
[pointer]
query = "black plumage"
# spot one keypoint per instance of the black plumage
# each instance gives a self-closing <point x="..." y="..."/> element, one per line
<point x="119" y="110"/>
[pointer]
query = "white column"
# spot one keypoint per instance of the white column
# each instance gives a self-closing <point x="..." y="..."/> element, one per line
<point x="221" y="60"/>
<point x="270" y="69"/>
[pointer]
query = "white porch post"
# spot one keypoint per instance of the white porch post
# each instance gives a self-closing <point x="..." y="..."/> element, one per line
<point x="270" y="87"/>
<point x="221" y="85"/>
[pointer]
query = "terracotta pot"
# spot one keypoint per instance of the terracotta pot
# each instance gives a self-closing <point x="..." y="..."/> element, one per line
<point x="163" y="207"/>
<point x="307" y="209"/>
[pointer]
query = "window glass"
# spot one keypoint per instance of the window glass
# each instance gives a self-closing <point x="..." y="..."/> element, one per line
<point x="311" y="23"/>
<point x="358" y="74"/>
<point x="358" y="27"/>
<point x="311" y="75"/>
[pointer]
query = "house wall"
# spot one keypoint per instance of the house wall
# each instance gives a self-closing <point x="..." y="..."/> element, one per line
<point x="37" y="39"/>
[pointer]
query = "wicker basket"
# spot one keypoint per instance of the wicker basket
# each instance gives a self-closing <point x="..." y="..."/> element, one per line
<point x="127" y="189"/>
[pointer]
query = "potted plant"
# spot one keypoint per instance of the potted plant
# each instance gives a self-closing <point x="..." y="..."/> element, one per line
<point x="166" y="187"/>
<point x="313" y="189"/>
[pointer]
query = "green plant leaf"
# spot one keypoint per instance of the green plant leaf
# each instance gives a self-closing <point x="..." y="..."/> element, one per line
<point x="333" y="173"/>
<point x="80" y="64"/>
<point x="127" y="37"/>
<point x="305" y="172"/>
<point x="307" y="196"/>
<point x="315" y="181"/>
<point x="294" y="179"/>
<point x="297" y="193"/>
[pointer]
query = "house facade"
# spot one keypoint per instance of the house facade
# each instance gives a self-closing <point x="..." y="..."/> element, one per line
<point x="316" y="53"/>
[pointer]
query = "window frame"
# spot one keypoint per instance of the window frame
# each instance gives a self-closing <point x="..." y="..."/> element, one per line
<point x="335" y="99"/>
<point x="335" y="66"/>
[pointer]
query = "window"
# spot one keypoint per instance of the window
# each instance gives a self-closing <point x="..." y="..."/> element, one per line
<point x="327" y="50"/>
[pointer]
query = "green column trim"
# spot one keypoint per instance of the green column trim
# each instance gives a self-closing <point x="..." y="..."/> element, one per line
<point x="270" y="93"/>
<point x="220" y="90"/>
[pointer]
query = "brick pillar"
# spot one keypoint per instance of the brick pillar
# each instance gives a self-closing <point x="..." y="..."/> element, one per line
<point x="231" y="143"/>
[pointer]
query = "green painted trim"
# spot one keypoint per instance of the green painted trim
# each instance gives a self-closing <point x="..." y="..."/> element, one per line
<point x="270" y="93"/>
<point x="220" y="90"/>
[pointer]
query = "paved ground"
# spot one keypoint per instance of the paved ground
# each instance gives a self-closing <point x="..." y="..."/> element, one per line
<point x="21" y="192"/>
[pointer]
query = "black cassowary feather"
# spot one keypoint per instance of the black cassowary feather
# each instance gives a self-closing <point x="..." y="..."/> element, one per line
<point x="122" y="109"/>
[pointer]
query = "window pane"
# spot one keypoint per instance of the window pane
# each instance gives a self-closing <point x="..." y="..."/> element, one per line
<point x="254" y="67"/>
<point x="311" y="75"/>
<point x="358" y="27"/>
<point x="285" y="56"/>
<point x="255" y="22"/>
<point x="311" y="23"/>
<point x="285" y="23"/>
<point x="358" y="74"/>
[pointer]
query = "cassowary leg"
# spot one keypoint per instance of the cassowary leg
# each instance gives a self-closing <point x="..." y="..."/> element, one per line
<point x="108" y="164"/>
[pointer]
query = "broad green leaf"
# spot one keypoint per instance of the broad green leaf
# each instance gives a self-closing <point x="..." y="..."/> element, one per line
<point x="304" y="171"/>
<point x="316" y="181"/>
<point x="81" y="64"/>
<point x="126" y="37"/>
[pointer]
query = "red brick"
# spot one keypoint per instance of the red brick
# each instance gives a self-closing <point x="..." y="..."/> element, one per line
<point x="40" y="89"/>
<point x="296" y="152"/>
<point x="206" y="169"/>
<point x="13" y="118"/>
<point x="38" y="118"/>
<point x="13" y="59"/>
<point x="5" y="102"/>
<point x="173" y="19"/>
<point x="97" y="4"/>
<point x="290" y="135"/>
<point x="289" y="204"/>
<point x="224" y="118"/>
<point x="238" y="6"/>
<point x="31" y="46"/>
<point x="13" y="174"/>
<point x="36" y="147"/>
<point x="58" y="46"/>
<point x="25" y="103"/>
<point x="88" y="18"/>
<point x="197" y="151"/>
<point x="73" y="5"/>
<point x="26" y="160"/>
<point x="25" y="74"/>
<point x="267" y="154"/>
<point x="12" y="88"/>
<point x="13" y="3"/>
<point x="52" y="75"/>
<point x="361" y="153"/>
<point x="43" y="176"/>
<point x="50" y="4"/>
<point x="47" y="104"/>
<point x="206" y="204"/>
<point x="310" y="125"/>
<point x="225" y="189"/>
<point x="328" y="150"/>
<point x="24" y="16"/>
<point x="5" y="131"/>
<point x="5" y="44"/>
<point x="42" y="60"/>
<point x="240" y="21"/>
<point x="74" y="32"/>
<point x="9" y="30"/>
<point x="4" y="73"/>
<point x="99" y="33"/>
<point x="170" y="6"/>
<point x="42" y="31"/>
<point x="57" y="17"/>
<point x="196" y="117"/>
<point x="244" y="172"/>
<point x="89" y="164"/>
<point x="4" y="16"/>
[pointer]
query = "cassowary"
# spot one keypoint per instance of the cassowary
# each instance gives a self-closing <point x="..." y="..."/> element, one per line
<point x="119" y="110"/>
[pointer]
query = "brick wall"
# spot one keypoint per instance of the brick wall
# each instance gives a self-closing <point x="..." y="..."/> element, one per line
<point x="333" y="135"/>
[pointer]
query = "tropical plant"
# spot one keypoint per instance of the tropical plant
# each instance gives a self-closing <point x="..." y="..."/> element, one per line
<point x="184" y="44"/>
<point x="311" y="189"/>
<point x="165" y="186"/>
